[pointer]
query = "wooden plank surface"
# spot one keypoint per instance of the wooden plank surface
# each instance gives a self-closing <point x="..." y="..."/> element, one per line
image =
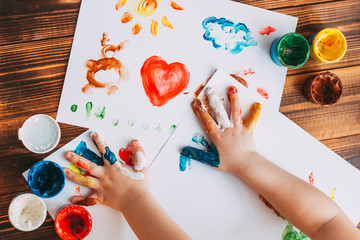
<point x="35" y="43"/>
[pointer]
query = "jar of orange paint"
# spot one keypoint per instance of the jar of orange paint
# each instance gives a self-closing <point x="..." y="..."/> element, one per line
<point x="329" y="45"/>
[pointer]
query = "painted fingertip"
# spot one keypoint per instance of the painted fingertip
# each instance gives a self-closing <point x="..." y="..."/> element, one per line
<point x="110" y="156"/>
<point x="141" y="161"/>
<point x="98" y="136"/>
<point x="135" y="143"/>
<point x="68" y="155"/>
<point x="87" y="201"/>
<point x="231" y="91"/>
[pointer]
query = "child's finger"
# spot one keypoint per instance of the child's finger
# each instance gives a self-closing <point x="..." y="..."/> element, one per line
<point x="84" y="164"/>
<point x="86" y="181"/>
<point x="140" y="161"/>
<point x="235" y="105"/>
<point x="218" y="108"/>
<point x="205" y="118"/>
<point x="250" y="122"/>
<point x="86" y="201"/>
<point x="103" y="148"/>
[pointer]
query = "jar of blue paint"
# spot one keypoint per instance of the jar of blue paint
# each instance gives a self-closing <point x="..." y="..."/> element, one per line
<point x="292" y="50"/>
<point x="46" y="179"/>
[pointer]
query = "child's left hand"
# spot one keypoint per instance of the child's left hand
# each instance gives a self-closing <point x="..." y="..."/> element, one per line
<point x="115" y="185"/>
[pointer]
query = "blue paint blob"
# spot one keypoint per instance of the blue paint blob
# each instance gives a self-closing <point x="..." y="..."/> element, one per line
<point x="110" y="156"/>
<point x="83" y="151"/>
<point x="46" y="179"/>
<point x="208" y="158"/>
<point x="224" y="33"/>
<point x="200" y="139"/>
<point x="184" y="163"/>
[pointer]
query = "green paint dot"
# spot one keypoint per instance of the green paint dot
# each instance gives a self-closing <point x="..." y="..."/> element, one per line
<point x="158" y="128"/>
<point x="145" y="127"/>
<point x="88" y="106"/>
<point x="73" y="108"/>
<point x="115" y="122"/>
<point x="131" y="122"/>
<point x="100" y="113"/>
<point x="172" y="128"/>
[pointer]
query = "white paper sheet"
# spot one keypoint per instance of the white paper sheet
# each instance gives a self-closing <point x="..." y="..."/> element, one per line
<point x="136" y="116"/>
<point x="213" y="205"/>
<point x="209" y="204"/>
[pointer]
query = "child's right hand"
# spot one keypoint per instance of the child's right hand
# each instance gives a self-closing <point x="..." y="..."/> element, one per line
<point x="234" y="144"/>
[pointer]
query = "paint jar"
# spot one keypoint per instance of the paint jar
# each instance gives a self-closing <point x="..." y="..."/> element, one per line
<point x="291" y="50"/>
<point x="40" y="133"/>
<point x="73" y="222"/>
<point x="46" y="179"/>
<point x="324" y="89"/>
<point x="27" y="212"/>
<point x="328" y="45"/>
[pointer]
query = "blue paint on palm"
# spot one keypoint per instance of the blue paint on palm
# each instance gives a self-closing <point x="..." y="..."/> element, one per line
<point x="184" y="163"/>
<point x="110" y="156"/>
<point x="83" y="151"/>
<point x="210" y="156"/>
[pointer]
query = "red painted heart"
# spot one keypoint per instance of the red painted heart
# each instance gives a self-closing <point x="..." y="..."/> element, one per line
<point x="161" y="81"/>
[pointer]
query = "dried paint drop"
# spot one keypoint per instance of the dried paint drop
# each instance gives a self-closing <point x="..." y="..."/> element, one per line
<point x="145" y="127"/>
<point x="115" y="122"/>
<point x="100" y="113"/>
<point x="158" y="128"/>
<point x="89" y="106"/>
<point x="173" y="128"/>
<point x="73" y="108"/>
<point x="131" y="122"/>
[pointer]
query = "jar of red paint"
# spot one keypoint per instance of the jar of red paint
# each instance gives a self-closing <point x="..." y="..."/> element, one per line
<point x="73" y="222"/>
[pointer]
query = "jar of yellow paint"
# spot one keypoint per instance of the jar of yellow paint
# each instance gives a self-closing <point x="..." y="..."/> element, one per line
<point x="328" y="45"/>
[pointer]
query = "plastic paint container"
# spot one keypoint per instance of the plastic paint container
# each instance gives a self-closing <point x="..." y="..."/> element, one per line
<point x="291" y="50"/>
<point x="324" y="89"/>
<point x="328" y="45"/>
<point x="27" y="212"/>
<point x="46" y="179"/>
<point x="73" y="222"/>
<point x="40" y="133"/>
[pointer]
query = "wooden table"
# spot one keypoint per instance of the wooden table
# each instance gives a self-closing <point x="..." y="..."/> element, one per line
<point x="35" y="42"/>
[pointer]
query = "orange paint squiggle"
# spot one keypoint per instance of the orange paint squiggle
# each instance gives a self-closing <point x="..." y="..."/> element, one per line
<point x="176" y="6"/>
<point x="154" y="27"/>
<point x="263" y="92"/>
<point x="127" y="17"/>
<point x="120" y="4"/>
<point x="145" y="8"/>
<point x="166" y="23"/>
<point x="163" y="82"/>
<point x="136" y="29"/>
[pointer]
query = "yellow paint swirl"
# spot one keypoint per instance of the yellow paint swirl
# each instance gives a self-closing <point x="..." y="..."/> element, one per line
<point x="145" y="8"/>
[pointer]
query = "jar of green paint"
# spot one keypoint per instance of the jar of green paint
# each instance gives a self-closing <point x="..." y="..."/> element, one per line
<point x="291" y="50"/>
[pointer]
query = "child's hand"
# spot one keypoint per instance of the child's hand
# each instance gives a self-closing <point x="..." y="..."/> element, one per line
<point x="114" y="184"/>
<point x="235" y="144"/>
